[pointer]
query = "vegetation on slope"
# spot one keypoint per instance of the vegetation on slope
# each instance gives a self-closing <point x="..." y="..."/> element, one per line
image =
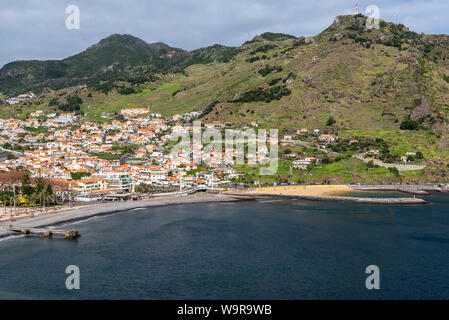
<point x="369" y="82"/>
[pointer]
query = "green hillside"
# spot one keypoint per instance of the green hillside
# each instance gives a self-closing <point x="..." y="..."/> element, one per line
<point x="117" y="57"/>
<point x="372" y="82"/>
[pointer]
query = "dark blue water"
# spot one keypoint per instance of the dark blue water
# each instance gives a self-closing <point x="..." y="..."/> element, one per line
<point x="379" y="194"/>
<point x="245" y="250"/>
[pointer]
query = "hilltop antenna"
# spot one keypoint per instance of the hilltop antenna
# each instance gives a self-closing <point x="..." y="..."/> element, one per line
<point x="356" y="8"/>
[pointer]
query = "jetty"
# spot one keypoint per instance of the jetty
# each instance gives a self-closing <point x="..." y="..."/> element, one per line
<point x="48" y="233"/>
<point x="254" y="196"/>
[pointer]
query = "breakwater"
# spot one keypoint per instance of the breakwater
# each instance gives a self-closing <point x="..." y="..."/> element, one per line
<point x="412" y="189"/>
<point x="249" y="196"/>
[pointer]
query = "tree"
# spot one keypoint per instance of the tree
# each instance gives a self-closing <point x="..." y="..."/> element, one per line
<point x="330" y="121"/>
<point x="73" y="104"/>
<point x="53" y="102"/>
<point x="371" y="164"/>
<point x="326" y="160"/>
<point x="27" y="190"/>
<point x="49" y="190"/>
<point x="126" y="91"/>
<point x="120" y="117"/>
<point x="78" y="175"/>
<point x="283" y="178"/>
<point x="39" y="185"/>
<point x="144" y="188"/>
<point x="396" y="173"/>
<point x="47" y="195"/>
<point x="409" y="125"/>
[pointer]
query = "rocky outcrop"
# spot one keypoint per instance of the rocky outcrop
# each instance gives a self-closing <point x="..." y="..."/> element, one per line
<point x="422" y="111"/>
<point x="440" y="128"/>
<point x="308" y="80"/>
<point x="309" y="40"/>
<point x="337" y="36"/>
<point x="315" y="59"/>
<point x="75" y="90"/>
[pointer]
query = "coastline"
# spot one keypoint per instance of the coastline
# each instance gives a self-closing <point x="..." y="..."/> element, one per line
<point x="104" y="209"/>
<point x="335" y="193"/>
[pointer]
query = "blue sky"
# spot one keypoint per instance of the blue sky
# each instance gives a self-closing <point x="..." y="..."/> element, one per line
<point x="35" y="29"/>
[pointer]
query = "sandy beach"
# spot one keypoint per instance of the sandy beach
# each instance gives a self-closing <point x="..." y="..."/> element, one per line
<point x="309" y="190"/>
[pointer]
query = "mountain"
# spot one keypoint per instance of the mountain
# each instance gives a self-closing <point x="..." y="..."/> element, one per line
<point x="270" y="36"/>
<point x="369" y="81"/>
<point x="387" y="88"/>
<point x="373" y="79"/>
<point x="117" y="57"/>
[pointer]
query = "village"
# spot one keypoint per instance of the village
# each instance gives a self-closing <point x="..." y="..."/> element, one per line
<point x="94" y="160"/>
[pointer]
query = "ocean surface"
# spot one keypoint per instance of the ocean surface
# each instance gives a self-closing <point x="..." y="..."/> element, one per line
<point x="241" y="250"/>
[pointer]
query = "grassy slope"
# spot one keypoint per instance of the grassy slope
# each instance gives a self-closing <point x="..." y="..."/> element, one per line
<point x="341" y="77"/>
<point x="358" y="86"/>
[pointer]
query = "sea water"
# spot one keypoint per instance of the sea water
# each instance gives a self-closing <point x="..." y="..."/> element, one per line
<point x="241" y="250"/>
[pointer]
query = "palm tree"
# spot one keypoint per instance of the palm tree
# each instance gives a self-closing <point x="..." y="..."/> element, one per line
<point x="12" y="200"/>
<point x="4" y="203"/>
<point x="55" y="202"/>
<point x="48" y="194"/>
<point x="291" y="173"/>
<point x="72" y="195"/>
<point x="34" y="199"/>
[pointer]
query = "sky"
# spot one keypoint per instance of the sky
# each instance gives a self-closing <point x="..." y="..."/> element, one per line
<point x="36" y="29"/>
